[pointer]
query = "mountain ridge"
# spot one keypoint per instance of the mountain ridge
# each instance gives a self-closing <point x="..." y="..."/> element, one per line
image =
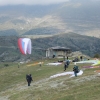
<point x="77" y="16"/>
<point x="87" y="45"/>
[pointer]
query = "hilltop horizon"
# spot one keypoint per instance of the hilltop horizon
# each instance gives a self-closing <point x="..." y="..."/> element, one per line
<point x="76" y="16"/>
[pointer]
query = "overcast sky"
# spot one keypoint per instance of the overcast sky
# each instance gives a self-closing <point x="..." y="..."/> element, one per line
<point x="29" y="2"/>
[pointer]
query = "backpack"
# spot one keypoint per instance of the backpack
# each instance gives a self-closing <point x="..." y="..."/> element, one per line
<point x="76" y="69"/>
<point x="27" y="77"/>
<point x="67" y="62"/>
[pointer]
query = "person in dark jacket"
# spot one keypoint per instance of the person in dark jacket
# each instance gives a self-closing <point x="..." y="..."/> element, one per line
<point x="81" y="58"/>
<point x="66" y="64"/>
<point x="75" y="69"/>
<point x="29" y="79"/>
<point x="67" y="57"/>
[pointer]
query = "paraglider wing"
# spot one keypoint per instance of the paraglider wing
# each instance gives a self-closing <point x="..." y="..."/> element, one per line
<point x="95" y="62"/>
<point x="24" y="45"/>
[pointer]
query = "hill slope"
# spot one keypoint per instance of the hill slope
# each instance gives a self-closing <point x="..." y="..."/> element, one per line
<point x="13" y="85"/>
<point x="85" y="44"/>
<point x="88" y="45"/>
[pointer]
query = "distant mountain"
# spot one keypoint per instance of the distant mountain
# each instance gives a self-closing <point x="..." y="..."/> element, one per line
<point x="27" y="10"/>
<point x="43" y="30"/>
<point x="87" y="45"/>
<point x="79" y="16"/>
<point x="10" y="32"/>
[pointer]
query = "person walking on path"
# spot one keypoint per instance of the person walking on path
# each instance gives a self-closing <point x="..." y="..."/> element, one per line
<point x="29" y="79"/>
<point x="66" y="64"/>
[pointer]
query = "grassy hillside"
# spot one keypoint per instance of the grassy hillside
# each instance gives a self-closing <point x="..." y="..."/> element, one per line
<point x="13" y="85"/>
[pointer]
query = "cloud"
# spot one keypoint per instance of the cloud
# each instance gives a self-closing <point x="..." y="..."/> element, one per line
<point x="30" y="2"/>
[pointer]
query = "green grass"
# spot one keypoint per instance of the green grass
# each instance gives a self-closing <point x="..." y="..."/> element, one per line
<point x="13" y="83"/>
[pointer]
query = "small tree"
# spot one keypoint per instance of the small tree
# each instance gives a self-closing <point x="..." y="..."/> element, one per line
<point x="96" y="56"/>
<point x="6" y="65"/>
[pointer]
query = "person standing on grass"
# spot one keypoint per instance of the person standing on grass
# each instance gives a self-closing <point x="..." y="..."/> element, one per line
<point x="66" y="64"/>
<point x="18" y="65"/>
<point x="75" y="69"/>
<point x="29" y="79"/>
<point x="81" y="58"/>
<point x="67" y="57"/>
<point x="40" y="63"/>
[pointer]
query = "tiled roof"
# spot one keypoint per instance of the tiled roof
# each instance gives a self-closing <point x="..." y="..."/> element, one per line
<point x="59" y="48"/>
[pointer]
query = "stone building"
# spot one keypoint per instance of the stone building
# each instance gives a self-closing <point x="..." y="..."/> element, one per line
<point x="57" y="52"/>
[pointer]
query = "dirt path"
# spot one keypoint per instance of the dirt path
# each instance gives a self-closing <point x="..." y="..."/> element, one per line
<point x="43" y="84"/>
